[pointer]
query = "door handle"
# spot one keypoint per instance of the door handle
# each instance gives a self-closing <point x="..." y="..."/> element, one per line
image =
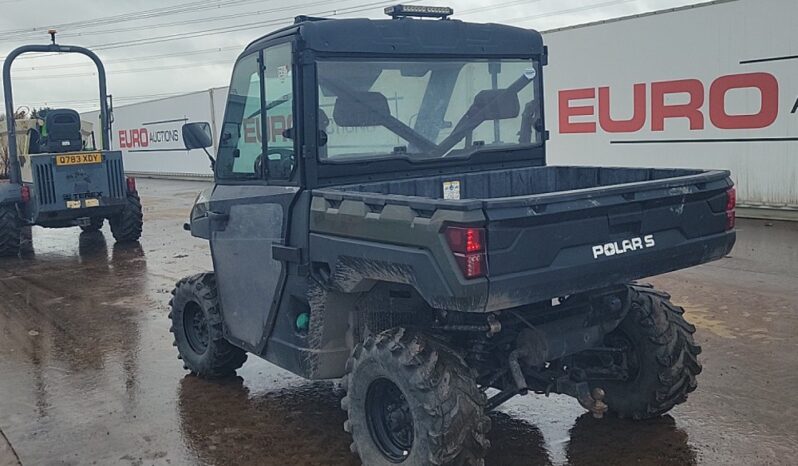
<point x="217" y="220"/>
<point x="217" y="216"/>
<point x="286" y="253"/>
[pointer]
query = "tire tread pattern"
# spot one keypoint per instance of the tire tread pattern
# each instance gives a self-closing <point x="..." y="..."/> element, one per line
<point x="222" y="359"/>
<point x="128" y="224"/>
<point x="671" y="340"/>
<point x="455" y="422"/>
<point x="9" y="230"/>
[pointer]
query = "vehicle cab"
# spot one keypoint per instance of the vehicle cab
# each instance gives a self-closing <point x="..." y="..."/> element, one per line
<point x="328" y="102"/>
<point x="325" y="100"/>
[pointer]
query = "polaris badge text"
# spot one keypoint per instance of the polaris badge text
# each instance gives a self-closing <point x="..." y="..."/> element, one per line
<point x="614" y="248"/>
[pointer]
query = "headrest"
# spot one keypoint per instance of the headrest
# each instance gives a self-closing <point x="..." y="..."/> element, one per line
<point x="498" y="104"/>
<point x="357" y="109"/>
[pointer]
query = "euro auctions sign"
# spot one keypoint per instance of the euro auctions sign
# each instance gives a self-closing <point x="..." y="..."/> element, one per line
<point x="152" y="136"/>
<point x="143" y="137"/>
<point x="656" y="104"/>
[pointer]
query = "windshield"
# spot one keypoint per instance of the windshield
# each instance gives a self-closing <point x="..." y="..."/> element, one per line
<point x="426" y="109"/>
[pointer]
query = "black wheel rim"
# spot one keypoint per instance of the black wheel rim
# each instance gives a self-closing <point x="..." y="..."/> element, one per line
<point x="389" y="420"/>
<point x="195" y="326"/>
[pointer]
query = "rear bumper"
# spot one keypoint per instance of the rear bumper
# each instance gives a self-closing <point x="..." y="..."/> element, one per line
<point x="511" y="290"/>
<point x="65" y="217"/>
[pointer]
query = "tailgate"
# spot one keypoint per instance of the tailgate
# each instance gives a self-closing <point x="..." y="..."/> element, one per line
<point x="545" y="246"/>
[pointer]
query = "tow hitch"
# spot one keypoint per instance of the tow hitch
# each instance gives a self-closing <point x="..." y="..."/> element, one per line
<point x="591" y="401"/>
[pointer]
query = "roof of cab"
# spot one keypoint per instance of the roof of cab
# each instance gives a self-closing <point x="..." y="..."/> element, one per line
<point x="411" y="37"/>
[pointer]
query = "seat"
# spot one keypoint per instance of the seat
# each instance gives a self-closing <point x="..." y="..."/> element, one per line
<point x="34" y="141"/>
<point x="62" y="131"/>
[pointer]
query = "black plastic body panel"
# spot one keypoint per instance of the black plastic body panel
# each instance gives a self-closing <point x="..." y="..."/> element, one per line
<point x="359" y="264"/>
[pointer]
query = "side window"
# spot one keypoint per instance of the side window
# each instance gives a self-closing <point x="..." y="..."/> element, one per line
<point x="240" y="143"/>
<point x="257" y="138"/>
<point x="279" y="111"/>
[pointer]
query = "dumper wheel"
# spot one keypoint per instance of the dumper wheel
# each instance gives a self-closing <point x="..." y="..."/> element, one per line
<point x="411" y="400"/>
<point x="126" y="226"/>
<point x="10" y="230"/>
<point x="197" y="328"/>
<point x="661" y="355"/>
<point x="96" y="224"/>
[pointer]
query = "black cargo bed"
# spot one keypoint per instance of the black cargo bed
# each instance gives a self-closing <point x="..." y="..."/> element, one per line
<point x="544" y="224"/>
<point x="526" y="186"/>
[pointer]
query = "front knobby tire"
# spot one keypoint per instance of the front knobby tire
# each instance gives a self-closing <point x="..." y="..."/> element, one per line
<point x="197" y="327"/>
<point x="96" y="224"/>
<point x="662" y="355"/>
<point x="10" y="230"/>
<point x="411" y="400"/>
<point x="126" y="226"/>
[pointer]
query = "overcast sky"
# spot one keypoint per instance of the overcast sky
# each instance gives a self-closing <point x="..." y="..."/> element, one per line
<point x="155" y="48"/>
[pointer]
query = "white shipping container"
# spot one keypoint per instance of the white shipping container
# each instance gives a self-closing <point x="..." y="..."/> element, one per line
<point x="150" y="138"/>
<point x="709" y="86"/>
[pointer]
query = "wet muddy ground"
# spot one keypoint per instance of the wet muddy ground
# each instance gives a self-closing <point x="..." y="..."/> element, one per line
<point x="88" y="374"/>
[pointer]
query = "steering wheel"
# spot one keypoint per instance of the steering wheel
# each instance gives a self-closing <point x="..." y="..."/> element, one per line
<point x="280" y="167"/>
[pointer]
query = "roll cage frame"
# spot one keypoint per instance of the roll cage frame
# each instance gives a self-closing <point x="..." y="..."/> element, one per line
<point x="14" y="174"/>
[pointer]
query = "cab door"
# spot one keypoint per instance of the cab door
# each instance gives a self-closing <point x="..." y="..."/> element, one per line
<point x="256" y="183"/>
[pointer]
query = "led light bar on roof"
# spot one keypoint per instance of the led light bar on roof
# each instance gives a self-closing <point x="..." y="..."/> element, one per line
<point x="419" y="11"/>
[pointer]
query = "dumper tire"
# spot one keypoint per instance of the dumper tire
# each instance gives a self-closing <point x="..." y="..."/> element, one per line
<point x="126" y="226"/>
<point x="438" y="396"/>
<point x="662" y="347"/>
<point x="195" y="297"/>
<point x="96" y="224"/>
<point x="10" y="230"/>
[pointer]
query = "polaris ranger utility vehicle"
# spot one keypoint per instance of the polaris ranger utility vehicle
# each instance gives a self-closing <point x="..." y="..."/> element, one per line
<point x="57" y="181"/>
<point x="383" y="213"/>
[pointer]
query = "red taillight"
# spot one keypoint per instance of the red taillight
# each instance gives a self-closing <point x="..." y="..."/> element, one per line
<point x="468" y="246"/>
<point x="131" y="184"/>
<point x="465" y="240"/>
<point x="731" y="203"/>
<point x="731" y="199"/>
<point x="24" y="193"/>
<point x="472" y="265"/>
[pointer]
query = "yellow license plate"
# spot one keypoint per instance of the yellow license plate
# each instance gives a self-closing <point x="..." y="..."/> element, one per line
<point x="78" y="159"/>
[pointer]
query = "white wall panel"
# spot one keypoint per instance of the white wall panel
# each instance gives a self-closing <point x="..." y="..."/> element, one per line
<point x="701" y="43"/>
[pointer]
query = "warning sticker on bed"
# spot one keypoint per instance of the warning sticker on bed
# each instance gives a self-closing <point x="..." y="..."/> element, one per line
<point x="451" y="190"/>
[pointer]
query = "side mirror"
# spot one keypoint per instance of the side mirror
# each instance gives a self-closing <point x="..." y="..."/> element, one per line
<point x="197" y="135"/>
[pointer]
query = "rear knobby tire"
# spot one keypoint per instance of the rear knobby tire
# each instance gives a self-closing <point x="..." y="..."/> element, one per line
<point x="126" y="225"/>
<point x="96" y="224"/>
<point x="10" y="230"/>
<point x="205" y="353"/>
<point x="663" y="351"/>
<point x="447" y="415"/>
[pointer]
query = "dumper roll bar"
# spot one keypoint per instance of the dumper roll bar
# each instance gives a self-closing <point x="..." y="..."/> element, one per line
<point x="13" y="159"/>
